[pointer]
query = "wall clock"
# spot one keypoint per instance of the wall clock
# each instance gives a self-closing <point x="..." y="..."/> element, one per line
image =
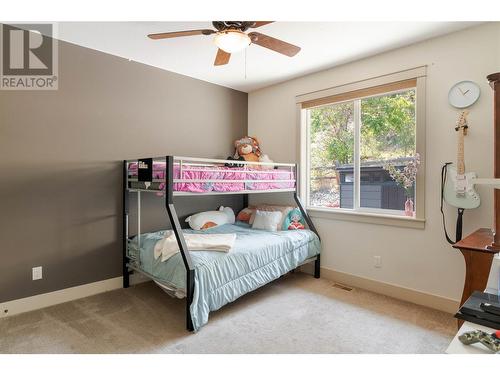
<point x="464" y="94"/>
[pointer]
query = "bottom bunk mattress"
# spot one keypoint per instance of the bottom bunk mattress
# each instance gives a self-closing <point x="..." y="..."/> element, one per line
<point x="256" y="258"/>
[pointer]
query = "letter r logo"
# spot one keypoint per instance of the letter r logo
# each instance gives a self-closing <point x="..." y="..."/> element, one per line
<point x="27" y="49"/>
<point x="35" y="40"/>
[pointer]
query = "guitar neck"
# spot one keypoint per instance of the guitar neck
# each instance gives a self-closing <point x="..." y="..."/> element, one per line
<point x="460" y="153"/>
<point x="486" y="181"/>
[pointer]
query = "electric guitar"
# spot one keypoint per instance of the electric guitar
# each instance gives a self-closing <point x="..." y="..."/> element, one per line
<point x="459" y="186"/>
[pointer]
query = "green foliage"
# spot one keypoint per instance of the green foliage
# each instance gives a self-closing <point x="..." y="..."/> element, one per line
<point x="332" y="134"/>
<point x="388" y="126"/>
<point x="387" y="131"/>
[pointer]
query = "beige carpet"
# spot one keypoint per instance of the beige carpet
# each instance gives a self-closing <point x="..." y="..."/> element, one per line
<point x="295" y="314"/>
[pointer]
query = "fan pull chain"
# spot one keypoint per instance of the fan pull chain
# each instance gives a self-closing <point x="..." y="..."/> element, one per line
<point x="246" y="49"/>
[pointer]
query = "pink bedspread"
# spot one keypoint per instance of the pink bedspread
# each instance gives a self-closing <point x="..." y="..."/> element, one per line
<point x="221" y="173"/>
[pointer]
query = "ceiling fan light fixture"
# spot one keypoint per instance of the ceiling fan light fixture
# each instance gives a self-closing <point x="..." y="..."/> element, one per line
<point x="232" y="41"/>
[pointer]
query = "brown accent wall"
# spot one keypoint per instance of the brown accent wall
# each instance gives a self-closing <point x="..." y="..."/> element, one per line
<point x="60" y="161"/>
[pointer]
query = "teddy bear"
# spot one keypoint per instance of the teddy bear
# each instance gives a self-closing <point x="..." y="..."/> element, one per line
<point x="248" y="148"/>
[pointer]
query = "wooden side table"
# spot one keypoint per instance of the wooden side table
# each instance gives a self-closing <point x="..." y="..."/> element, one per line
<point x="478" y="254"/>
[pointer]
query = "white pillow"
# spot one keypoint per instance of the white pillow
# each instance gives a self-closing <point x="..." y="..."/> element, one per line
<point x="268" y="220"/>
<point x="208" y="219"/>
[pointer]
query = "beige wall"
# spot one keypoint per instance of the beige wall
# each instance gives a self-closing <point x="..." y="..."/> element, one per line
<point x="61" y="152"/>
<point x="412" y="258"/>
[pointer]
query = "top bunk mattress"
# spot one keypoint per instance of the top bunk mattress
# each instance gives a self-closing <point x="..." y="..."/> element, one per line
<point x="220" y="179"/>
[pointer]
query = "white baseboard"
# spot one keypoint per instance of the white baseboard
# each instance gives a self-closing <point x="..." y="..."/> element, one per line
<point x="40" y="301"/>
<point x="396" y="291"/>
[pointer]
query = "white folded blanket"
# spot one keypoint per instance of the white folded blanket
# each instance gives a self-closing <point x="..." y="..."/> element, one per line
<point x="167" y="246"/>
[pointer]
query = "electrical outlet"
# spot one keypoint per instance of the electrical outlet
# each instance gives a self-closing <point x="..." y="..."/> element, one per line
<point x="377" y="261"/>
<point x="37" y="273"/>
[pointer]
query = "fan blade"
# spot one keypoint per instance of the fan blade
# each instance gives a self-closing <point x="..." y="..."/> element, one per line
<point x="260" y="23"/>
<point x="274" y="44"/>
<point x="222" y="57"/>
<point x="176" y="34"/>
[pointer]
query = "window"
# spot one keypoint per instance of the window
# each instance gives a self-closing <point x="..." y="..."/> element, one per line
<point x="354" y="140"/>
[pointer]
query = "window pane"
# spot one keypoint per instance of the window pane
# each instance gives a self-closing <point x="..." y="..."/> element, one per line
<point x="387" y="137"/>
<point x="332" y="155"/>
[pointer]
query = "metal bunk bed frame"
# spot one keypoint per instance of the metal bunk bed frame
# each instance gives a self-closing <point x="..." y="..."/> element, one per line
<point x="174" y="220"/>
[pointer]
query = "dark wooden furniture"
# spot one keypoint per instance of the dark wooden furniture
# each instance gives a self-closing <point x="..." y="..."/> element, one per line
<point x="479" y="247"/>
<point x="478" y="258"/>
<point x="494" y="80"/>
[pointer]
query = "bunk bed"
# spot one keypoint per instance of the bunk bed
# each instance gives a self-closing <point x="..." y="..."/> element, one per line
<point x="209" y="280"/>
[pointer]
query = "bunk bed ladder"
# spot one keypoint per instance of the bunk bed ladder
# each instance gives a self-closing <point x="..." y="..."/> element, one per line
<point x="307" y="218"/>
<point x="176" y="227"/>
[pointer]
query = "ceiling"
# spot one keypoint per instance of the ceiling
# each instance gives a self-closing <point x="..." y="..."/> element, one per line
<point x="324" y="44"/>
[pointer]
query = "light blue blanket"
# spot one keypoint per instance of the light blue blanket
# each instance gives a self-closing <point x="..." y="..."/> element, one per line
<point x="257" y="258"/>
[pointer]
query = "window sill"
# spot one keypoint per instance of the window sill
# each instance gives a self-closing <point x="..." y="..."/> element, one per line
<point x="367" y="217"/>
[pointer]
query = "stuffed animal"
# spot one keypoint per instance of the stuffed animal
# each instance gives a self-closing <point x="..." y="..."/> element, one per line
<point x="248" y="148"/>
<point x="264" y="158"/>
<point x="294" y="220"/>
<point x="209" y="219"/>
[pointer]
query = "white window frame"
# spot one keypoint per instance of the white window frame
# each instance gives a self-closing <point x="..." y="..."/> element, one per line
<point x="357" y="213"/>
